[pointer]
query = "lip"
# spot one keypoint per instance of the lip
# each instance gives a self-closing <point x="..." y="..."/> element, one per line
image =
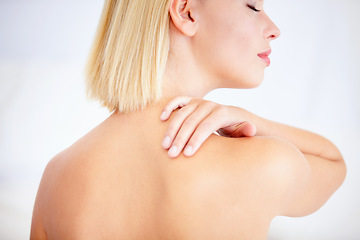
<point x="265" y="56"/>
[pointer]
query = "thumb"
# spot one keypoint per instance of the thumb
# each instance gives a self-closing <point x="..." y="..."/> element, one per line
<point x="247" y="129"/>
<point x="243" y="129"/>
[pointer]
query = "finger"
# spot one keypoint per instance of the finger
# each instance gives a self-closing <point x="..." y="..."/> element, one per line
<point x="241" y="129"/>
<point x="187" y="129"/>
<point x="248" y="129"/>
<point x="202" y="132"/>
<point x="175" y="124"/>
<point x="174" y="104"/>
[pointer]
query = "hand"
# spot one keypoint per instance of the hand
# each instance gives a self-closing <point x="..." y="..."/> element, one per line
<point x="197" y="119"/>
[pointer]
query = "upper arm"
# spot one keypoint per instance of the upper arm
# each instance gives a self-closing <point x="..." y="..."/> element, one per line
<point x="277" y="177"/>
<point x="280" y="171"/>
<point x="38" y="230"/>
<point x="47" y="200"/>
<point x="297" y="184"/>
<point x="61" y="200"/>
<point x="231" y="181"/>
<point x="326" y="176"/>
<point x="256" y="176"/>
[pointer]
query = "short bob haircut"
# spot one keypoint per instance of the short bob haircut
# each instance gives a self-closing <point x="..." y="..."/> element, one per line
<point x="128" y="57"/>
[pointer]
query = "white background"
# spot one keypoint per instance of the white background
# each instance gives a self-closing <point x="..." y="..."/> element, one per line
<point x="313" y="83"/>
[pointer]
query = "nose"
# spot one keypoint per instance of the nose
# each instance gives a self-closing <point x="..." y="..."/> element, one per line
<point x="271" y="32"/>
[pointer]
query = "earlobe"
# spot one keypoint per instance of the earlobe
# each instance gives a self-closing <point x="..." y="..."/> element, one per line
<point x="181" y="15"/>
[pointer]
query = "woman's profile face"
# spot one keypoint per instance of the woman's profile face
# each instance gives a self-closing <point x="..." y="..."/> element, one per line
<point x="231" y="36"/>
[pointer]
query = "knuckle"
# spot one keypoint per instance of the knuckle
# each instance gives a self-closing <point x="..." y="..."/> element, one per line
<point x="195" y="140"/>
<point x="171" y="130"/>
<point x="206" y="103"/>
<point x="181" y="112"/>
<point x="221" y="110"/>
<point x="181" y="98"/>
<point x="212" y="104"/>
<point x="189" y="123"/>
<point x="204" y="126"/>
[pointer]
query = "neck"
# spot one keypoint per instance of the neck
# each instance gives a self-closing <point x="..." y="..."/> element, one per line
<point x="184" y="76"/>
<point x="185" y="80"/>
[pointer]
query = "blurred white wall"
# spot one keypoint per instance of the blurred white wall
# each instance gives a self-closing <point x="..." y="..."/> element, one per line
<point x="313" y="83"/>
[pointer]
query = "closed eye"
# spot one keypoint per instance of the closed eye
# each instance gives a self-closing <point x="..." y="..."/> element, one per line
<point x="253" y="8"/>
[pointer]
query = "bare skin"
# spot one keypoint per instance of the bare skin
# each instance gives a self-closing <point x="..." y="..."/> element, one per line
<point x="120" y="182"/>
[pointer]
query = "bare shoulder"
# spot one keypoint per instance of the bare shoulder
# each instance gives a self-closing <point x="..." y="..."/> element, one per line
<point x="58" y="185"/>
<point x="96" y="189"/>
<point x="259" y="171"/>
<point x="292" y="183"/>
<point x="68" y="191"/>
<point x="272" y="173"/>
<point x="261" y="153"/>
<point x="234" y="186"/>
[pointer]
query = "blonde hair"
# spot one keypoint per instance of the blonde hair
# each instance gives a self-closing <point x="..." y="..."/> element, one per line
<point x="129" y="54"/>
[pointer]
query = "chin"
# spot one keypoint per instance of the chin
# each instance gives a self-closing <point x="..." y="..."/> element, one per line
<point x="248" y="80"/>
<point x="254" y="84"/>
<point x="254" y="81"/>
<point x="248" y="84"/>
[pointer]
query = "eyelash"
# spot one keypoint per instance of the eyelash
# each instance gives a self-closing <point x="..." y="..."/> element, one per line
<point x="253" y="8"/>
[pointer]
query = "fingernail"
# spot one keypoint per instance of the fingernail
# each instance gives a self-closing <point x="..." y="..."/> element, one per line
<point x="173" y="151"/>
<point x="162" y="115"/>
<point x="188" y="150"/>
<point x="166" y="142"/>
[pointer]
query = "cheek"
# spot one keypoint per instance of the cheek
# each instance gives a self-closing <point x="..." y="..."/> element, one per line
<point x="228" y="48"/>
<point x="243" y="39"/>
<point x="236" y="54"/>
<point x="220" y="39"/>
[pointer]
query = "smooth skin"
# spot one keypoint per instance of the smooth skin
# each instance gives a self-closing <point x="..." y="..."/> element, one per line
<point x="118" y="181"/>
<point x="200" y="118"/>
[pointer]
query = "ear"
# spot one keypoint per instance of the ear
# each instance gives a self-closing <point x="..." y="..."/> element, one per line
<point x="181" y="14"/>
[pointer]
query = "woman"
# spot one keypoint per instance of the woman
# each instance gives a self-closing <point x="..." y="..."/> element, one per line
<point x="119" y="182"/>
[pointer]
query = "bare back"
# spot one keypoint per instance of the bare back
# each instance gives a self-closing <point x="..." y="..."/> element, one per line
<point x="118" y="183"/>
